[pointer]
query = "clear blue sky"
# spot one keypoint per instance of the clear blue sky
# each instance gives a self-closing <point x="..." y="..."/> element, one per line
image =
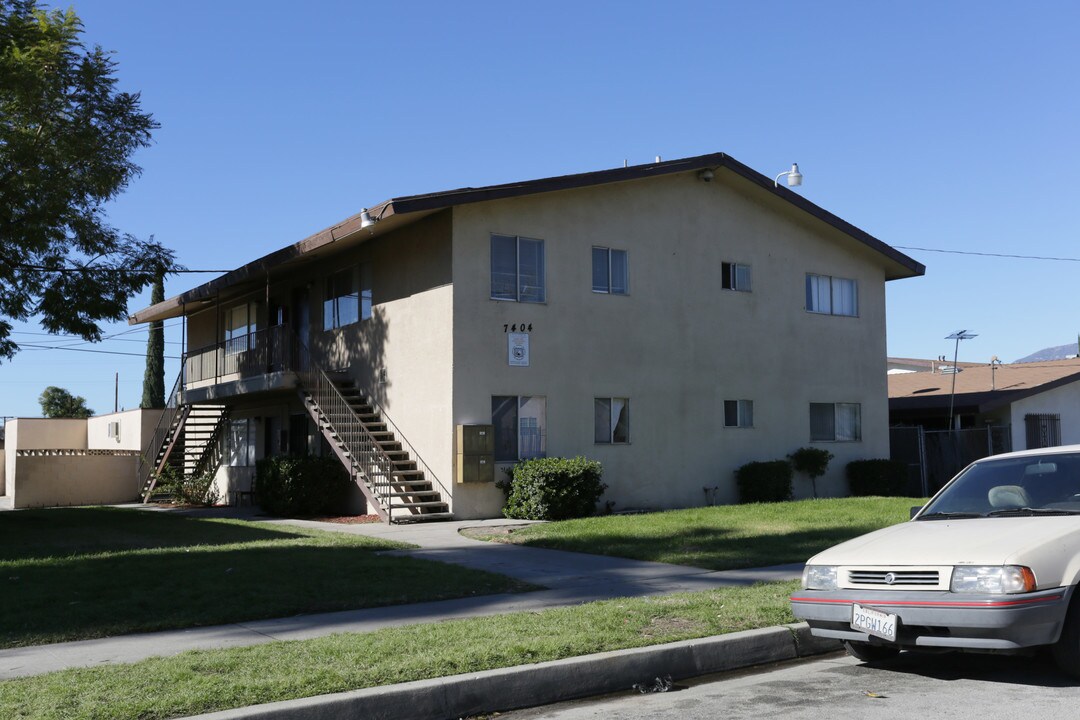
<point x="927" y="124"/>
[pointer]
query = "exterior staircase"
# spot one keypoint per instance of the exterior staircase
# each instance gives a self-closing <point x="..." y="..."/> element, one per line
<point x="187" y="444"/>
<point x="387" y="473"/>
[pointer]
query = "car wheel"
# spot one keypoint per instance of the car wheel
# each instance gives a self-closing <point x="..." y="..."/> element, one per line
<point x="870" y="653"/>
<point x="1067" y="648"/>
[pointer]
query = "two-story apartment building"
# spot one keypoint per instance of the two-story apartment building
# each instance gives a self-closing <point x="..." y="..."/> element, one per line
<point x="673" y="320"/>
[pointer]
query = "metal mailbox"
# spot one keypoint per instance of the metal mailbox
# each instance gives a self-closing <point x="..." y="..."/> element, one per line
<point x="475" y="454"/>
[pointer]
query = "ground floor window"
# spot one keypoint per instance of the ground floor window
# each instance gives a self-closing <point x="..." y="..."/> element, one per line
<point x="240" y="442"/>
<point x="739" y="413"/>
<point x="1043" y="430"/>
<point x="835" y="422"/>
<point x="520" y="426"/>
<point x="611" y="420"/>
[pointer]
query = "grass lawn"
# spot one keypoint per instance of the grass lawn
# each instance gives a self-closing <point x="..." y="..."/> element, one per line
<point x="720" y="538"/>
<point x="205" y="681"/>
<point x="77" y="573"/>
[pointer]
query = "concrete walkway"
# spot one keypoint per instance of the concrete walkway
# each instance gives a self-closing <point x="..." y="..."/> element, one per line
<point x="570" y="578"/>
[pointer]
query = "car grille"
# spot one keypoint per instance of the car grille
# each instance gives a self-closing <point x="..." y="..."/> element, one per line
<point x="893" y="577"/>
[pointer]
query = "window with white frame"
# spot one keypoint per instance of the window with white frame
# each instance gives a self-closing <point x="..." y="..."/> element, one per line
<point x="835" y="422"/>
<point x="517" y="269"/>
<point x="739" y="413"/>
<point x="610" y="271"/>
<point x="520" y="426"/>
<point x="240" y="442"/>
<point x="348" y="297"/>
<point x="611" y="420"/>
<point x="735" y="276"/>
<point x="831" y="295"/>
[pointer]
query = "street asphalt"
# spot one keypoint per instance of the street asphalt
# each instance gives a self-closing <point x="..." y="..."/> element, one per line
<point x="569" y="578"/>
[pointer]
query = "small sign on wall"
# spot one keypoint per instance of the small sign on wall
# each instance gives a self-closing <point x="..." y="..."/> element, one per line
<point x="518" y="349"/>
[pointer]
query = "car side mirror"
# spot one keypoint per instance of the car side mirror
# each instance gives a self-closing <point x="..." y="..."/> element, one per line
<point x="915" y="510"/>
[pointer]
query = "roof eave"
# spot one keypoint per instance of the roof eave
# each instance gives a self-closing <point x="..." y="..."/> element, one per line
<point x="902" y="266"/>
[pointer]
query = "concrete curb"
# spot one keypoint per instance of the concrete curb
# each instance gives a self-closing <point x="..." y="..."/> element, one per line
<point x="544" y="683"/>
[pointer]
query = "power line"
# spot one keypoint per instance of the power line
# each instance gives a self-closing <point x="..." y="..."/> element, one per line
<point x="984" y="254"/>
<point x="91" y="268"/>
<point x="100" y="352"/>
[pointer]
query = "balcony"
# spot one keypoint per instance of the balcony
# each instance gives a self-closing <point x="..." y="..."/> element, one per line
<point x="261" y="361"/>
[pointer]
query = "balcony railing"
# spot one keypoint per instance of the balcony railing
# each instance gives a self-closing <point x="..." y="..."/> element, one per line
<point x="264" y="351"/>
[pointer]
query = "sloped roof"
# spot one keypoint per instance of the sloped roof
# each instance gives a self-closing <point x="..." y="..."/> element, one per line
<point x="396" y="212"/>
<point x="982" y="387"/>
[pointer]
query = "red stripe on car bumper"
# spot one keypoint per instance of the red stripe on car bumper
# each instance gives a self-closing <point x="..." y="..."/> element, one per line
<point x="930" y="603"/>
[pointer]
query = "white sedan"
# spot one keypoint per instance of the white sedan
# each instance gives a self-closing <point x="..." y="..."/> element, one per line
<point x="991" y="563"/>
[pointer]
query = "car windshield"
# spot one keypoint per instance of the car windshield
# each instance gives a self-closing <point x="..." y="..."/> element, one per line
<point x="1020" y="486"/>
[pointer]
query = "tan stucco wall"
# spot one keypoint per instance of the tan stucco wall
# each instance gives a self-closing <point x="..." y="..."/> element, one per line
<point x="677" y="345"/>
<point x="74" y="480"/>
<point x="135" y="428"/>
<point x="1063" y="401"/>
<point x="408" y="338"/>
<point x="46" y="433"/>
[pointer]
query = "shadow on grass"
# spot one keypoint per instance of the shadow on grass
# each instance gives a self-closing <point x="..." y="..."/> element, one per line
<point x="62" y="532"/>
<point x="714" y="548"/>
<point x="54" y="600"/>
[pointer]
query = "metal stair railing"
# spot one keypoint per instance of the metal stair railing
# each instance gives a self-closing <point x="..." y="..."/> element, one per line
<point x="366" y="454"/>
<point x="408" y="447"/>
<point x="148" y="457"/>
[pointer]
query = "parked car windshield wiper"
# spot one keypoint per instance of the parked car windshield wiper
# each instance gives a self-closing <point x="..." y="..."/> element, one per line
<point x="949" y="516"/>
<point x="1027" y="511"/>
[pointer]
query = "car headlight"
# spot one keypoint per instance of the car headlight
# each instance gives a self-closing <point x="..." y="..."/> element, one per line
<point x="819" y="577"/>
<point x="992" y="579"/>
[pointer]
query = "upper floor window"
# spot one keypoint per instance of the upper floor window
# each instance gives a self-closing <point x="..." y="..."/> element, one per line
<point x="517" y="269"/>
<point x="739" y="413"/>
<point x="348" y="297"/>
<point x="239" y="325"/>
<point x="611" y="420"/>
<point x="835" y="422"/>
<point x="734" y="276"/>
<point x="832" y="295"/>
<point x="610" y="271"/>
<point x="520" y="426"/>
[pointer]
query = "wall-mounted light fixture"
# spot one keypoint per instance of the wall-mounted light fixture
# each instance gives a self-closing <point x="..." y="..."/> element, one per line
<point x="794" y="177"/>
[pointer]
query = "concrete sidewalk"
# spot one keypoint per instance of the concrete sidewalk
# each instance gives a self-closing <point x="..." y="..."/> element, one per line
<point x="570" y="579"/>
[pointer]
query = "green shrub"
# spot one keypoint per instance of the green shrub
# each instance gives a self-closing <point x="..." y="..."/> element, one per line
<point x="877" y="477"/>
<point x="764" y="481"/>
<point x="305" y="485"/>
<point x="553" y="489"/>
<point x="187" y="489"/>
<point x="812" y="462"/>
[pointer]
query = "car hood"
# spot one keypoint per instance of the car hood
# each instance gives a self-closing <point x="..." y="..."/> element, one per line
<point x="1049" y="545"/>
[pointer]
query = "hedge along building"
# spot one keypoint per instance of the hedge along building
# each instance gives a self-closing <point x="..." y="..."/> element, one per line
<point x="672" y="320"/>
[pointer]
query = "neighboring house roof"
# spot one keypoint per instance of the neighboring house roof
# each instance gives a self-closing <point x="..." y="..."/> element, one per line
<point x="980" y="388"/>
<point x="400" y="211"/>
<point x="898" y="364"/>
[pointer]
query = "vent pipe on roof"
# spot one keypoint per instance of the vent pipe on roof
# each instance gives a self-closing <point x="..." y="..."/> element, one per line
<point x="658" y="159"/>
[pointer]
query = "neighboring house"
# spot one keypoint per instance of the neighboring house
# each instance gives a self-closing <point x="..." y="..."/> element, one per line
<point x="1039" y="401"/>
<point x="87" y="461"/>
<point x="672" y="320"/>
<point x="909" y="365"/>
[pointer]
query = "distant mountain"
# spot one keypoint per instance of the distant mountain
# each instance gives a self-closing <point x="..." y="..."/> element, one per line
<point x="1051" y="353"/>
